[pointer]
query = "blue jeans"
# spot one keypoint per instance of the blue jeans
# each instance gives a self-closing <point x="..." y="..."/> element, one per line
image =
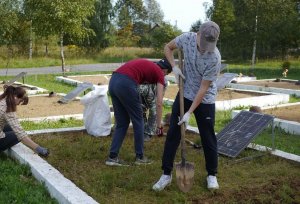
<point x="127" y="106"/>
<point x="205" y="117"/>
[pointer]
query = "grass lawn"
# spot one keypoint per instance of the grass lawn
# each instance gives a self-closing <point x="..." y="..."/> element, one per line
<point x="17" y="184"/>
<point x="80" y="157"/>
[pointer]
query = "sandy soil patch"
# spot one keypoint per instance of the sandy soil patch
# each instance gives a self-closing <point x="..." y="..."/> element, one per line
<point x="224" y="94"/>
<point x="172" y="89"/>
<point x="291" y="113"/>
<point x="43" y="106"/>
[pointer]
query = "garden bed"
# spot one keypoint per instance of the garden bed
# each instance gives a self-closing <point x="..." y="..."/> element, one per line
<point x="45" y="106"/>
<point x="223" y="94"/>
<point x="290" y="113"/>
<point x="94" y="79"/>
<point x="284" y="86"/>
<point x="81" y="158"/>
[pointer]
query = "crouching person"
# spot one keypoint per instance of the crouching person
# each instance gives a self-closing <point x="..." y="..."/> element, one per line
<point x="11" y="132"/>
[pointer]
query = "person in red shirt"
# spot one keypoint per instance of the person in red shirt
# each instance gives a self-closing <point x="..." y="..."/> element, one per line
<point x="123" y="89"/>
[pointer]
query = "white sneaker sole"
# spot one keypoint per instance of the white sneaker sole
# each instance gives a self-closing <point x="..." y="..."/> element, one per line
<point x="157" y="189"/>
<point x="108" y="163"/>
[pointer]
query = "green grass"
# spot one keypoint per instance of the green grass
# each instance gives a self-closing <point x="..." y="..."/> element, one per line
<point x="266" y="69"/>
<point x="72" y="57"/>
<point x="80" y="157"/>
<point x="17" y="184"/>
<point x="283" y="141"/>
<point x="61" y="123"/>
<point x="294" y="99"/>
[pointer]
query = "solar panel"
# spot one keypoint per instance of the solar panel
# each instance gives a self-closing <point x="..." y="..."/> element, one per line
<point x="10" y="82"/>
<point x="75" y="92"/>
<point x="225" y="79"/>
<point x="237" y="135"/>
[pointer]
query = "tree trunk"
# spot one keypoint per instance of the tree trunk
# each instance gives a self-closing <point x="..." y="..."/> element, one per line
<point x="62" y="53"/>
<point x="30" y="41"/>
<point x="254" y="47"/>
<point x="46" y="49"/>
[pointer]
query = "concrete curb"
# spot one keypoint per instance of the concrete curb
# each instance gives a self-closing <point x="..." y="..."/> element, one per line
<point x="59" y="187"/>
<point x="267" y="89"/>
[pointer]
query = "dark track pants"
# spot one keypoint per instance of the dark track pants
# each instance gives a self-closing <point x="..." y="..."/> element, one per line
<point x="205" y="117"/>
<point x="9" y="140"/>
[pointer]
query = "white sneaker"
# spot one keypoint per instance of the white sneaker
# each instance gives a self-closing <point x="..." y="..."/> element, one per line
<point x="162" y="183"/>
<point x="212" y="182"/>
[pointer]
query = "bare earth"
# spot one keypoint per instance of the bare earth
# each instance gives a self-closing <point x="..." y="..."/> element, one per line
<point x="171" y="89"/>
<point x="43" y="106"/>
<point x="224" y="94"/>
<point x="291" y="113"/>
<point x="271" y="83"/>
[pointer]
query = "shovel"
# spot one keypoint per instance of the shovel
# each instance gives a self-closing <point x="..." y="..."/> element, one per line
<point x="184" y="169"/>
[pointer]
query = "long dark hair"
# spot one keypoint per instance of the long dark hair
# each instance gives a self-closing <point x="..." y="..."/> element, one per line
<point x="10" y="92"/>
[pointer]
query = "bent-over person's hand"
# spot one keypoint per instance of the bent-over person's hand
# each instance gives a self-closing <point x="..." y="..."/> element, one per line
<point x="159" y="131"/>
<point x="44" y="152"/>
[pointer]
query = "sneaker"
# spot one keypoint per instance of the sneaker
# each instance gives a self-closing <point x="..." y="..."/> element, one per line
<point x="141" y="161"/>
<point x="164" y="181"/>
<point x="147" y="137"/>
<point x="212" y="182"/>
<point x="115" y="162"/>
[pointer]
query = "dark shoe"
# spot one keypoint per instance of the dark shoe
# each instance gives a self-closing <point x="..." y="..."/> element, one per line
<point x="115" y="162"/>
<point x="142" y="161"/>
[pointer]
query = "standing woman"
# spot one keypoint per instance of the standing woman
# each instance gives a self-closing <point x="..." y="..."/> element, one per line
<point x="123" y="89"/>
<point x="11" y="132"/>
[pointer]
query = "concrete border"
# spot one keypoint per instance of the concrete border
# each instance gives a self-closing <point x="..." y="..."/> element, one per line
<point x="267" y="89"/>
<point x="32" y="92"/>
<point x="276" y="152"/>
<point x="288" y="126"/>
<point x="59" y="187"/>
<point x="75" y="82"/>
<point x="267" y="100"/>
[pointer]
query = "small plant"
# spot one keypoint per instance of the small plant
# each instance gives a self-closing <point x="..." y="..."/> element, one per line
<point x="285" y="68"/>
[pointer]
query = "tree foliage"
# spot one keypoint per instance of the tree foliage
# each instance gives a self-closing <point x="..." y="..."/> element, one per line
<point x="278" y="26"/>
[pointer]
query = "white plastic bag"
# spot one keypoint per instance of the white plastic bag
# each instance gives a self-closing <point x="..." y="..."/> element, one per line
<point x="96" y="114"/>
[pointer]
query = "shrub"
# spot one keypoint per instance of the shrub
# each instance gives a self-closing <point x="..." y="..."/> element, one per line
<point x="286" y="65"/>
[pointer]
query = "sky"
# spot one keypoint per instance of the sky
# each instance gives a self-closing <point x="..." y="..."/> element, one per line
<point x="183" y="12"/>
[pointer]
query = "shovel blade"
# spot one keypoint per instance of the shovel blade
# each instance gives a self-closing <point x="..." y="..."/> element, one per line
<point x="185" y="175"/>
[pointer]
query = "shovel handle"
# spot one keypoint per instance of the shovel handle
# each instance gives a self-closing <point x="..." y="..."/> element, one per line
<point x="181" y="105"/>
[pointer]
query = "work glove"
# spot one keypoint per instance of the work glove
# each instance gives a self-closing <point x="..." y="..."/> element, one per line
<point x="159" y="131"/>
<point x="177" y="73"/>
<point x="185" y="119"/>
<point x="44" y="152"/>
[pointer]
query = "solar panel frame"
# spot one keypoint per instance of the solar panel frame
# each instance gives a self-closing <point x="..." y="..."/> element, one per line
<point x="234" y="137"/>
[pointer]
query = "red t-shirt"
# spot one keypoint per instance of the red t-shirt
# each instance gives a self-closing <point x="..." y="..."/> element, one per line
<point x="142" y="71"/>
